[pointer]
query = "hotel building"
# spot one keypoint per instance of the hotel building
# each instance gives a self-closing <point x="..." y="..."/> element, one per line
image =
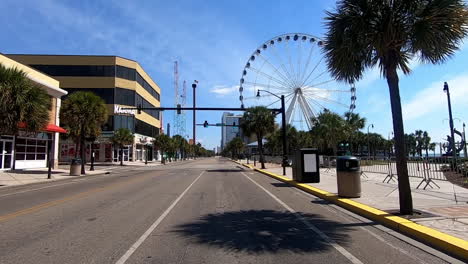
<point x="120" y="83"/>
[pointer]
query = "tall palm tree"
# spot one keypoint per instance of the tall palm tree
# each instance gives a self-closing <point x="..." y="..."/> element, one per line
<point x="389" y="33"/>
<point x="83" y="114"/>
<point x="21" y="102"/>
<point x="260" y="121"/>
<point x="122" y="137"/>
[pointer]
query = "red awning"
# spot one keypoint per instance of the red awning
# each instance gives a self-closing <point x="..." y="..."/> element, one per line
<point x="48" y="128"/>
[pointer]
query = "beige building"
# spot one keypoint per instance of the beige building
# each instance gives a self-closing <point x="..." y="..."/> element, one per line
<point x="120" y="83"/>
<point x="32" y="149"/>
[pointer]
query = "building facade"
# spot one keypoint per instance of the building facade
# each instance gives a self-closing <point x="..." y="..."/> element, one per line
<point x="120" y="83"/>
<point x="230" y="132"/>
<point x="30" y="150"/>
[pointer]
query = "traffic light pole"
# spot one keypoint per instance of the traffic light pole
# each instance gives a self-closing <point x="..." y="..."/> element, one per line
<point x="283" y="132"/>
<point x="194" y="85"/>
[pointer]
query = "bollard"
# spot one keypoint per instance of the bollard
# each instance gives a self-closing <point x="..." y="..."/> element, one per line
<point x="255" y="160"/>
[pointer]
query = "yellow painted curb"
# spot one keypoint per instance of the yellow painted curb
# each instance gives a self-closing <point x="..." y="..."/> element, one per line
<point x="439" y="240"/>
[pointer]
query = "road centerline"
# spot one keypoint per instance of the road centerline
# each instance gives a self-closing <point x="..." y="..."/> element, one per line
<point x="339" y="248"/>
<point x="155" y="224"/>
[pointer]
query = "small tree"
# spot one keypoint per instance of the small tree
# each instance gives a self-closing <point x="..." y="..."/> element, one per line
<point x="162" y="142"/>
<point x="260" y="121"/>
<point x="122" y="137"/>
<point x="83" y="114"/>
<point x="21" y="102"/>
<point x="235" y="146"/>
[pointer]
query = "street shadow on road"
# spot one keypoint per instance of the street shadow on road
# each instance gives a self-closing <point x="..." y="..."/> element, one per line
<point x="263" y="231"/>
<point x="225" y="170"/>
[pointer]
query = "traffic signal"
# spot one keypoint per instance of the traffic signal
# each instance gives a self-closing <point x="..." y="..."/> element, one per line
<point x="178" y="109"/>
<point x="205" y="124"/>
<point x="139" y="109"/>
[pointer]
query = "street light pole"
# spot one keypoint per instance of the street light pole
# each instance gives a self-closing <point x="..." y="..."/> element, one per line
<point x="368" y="141"/>
<point x="283" y="131"/>
<point x="283" y="127"/>
<point x="464" y="141"/>
<point x="454" y="151"/>
<point x="194" y="85"/>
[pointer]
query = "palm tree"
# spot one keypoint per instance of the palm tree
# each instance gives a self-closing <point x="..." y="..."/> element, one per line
<point x="389" y="33"/>
<point x="329" y="128"/>
<point x="181" y="145"/>
<point x="162" y="142"/>
<point x="83" y="114"/>
<point x="236" y="146"/>
<point x="122" y="137"/>
<point x="260" y="121"/>
<point x="21" y="102"/>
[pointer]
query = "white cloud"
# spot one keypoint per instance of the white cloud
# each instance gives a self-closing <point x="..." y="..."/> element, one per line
<point x="432" y="99"/>
<point x="223" y="90"/>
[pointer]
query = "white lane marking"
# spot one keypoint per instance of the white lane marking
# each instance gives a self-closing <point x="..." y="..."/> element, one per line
<point x="340" y="213"/>
<point x="339" y="248"/>
<point x="37" y="189"/>
<point x="148" y="232"/>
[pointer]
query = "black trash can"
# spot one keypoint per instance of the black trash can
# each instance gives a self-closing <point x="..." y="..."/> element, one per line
<point x="75" y="167"/>
<point x="348" y="172"/>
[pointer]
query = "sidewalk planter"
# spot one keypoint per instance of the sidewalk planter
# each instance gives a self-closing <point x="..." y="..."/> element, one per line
<point x="75" y="167"/>
<point x="306" y="166"/>
<point x="348" y="177"/>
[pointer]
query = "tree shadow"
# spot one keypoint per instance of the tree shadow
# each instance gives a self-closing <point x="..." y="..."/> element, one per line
<point x="262" y="231"/>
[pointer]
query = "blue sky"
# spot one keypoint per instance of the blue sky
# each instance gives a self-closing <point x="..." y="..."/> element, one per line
<point x="212" y="41"/>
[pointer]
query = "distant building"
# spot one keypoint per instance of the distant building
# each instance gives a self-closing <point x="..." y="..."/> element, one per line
<point x="229" y="132"/>
<point x="120" y="83"/>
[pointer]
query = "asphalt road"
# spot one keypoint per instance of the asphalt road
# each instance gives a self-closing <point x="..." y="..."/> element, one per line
<point x="203" y="211"/>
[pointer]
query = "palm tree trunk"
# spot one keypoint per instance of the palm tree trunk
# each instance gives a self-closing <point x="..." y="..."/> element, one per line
<point x="404" y="189"/>
<point x="260" y="150"/>
<point x="121" y="155"/>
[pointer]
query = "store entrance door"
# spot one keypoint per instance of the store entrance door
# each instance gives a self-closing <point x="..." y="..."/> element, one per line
<point x="6" y="154"/>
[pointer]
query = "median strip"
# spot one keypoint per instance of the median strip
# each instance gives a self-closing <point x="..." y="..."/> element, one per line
<point x="453" y="245"/>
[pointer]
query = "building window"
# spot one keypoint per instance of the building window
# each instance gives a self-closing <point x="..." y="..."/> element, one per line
<point x="124" y="96"/>
<point x="122" y="121"/>
<point x="125" y="73"/>
<point x="76" y="70"/>
<point x="30" y="149"/>
<point x="107" y="94"/>
<point x="145" y="104"/>
<point x="145" y="129"/>
<point x="147" y="87"/>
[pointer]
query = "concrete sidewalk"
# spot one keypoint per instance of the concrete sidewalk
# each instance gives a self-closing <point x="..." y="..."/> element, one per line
<point x="447" y="205"/>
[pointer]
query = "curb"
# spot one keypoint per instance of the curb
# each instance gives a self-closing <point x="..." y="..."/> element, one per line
<point x="453" y="245"/>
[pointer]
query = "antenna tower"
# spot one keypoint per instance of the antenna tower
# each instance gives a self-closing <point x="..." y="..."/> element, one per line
<point x="180" y="98"/>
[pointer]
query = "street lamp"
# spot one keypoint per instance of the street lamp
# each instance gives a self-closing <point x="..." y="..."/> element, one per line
<point x="454" y="151"/>
<point x="464" y="141"/>
<point x="194" y="85"/>
<point x="368" y="141"/>
<point x="283" y="127"/>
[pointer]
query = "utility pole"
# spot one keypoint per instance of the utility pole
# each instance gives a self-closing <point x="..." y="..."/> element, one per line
<point x="194" y="85"/>
<point x="283" y="131"/>
<point x="454" y="150"/>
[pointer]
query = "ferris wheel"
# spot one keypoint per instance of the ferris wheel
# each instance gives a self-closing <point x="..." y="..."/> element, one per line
<point x="293" y="65"/>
